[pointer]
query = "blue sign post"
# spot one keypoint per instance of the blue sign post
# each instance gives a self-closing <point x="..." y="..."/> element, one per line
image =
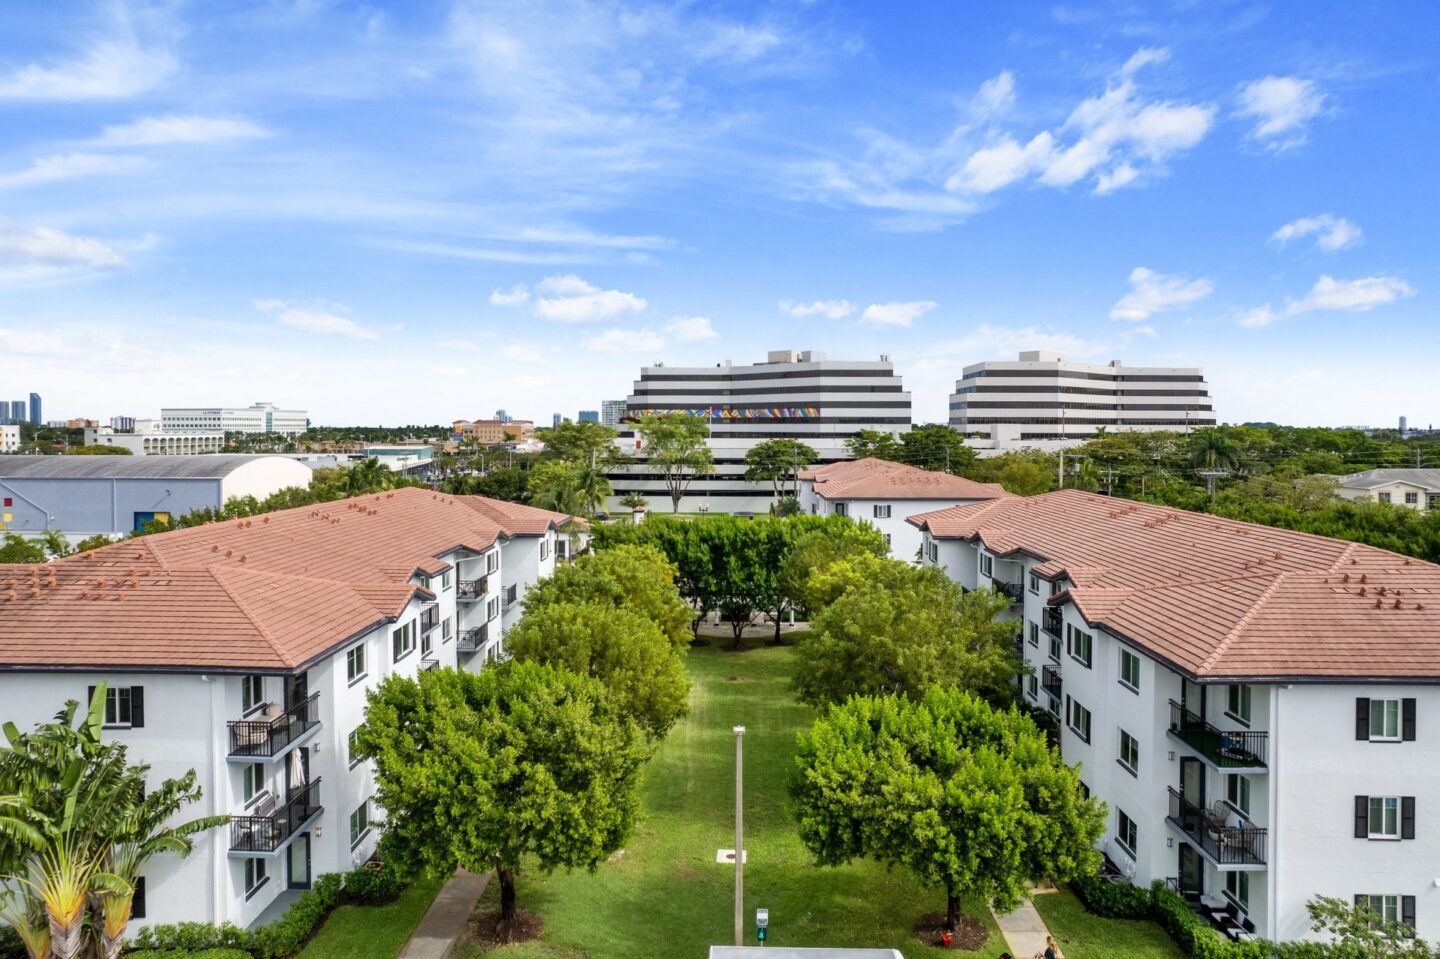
<point x="762" y="922"/>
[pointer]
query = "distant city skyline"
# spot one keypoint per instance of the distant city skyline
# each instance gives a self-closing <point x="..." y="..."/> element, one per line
<point x="530" y="202"/>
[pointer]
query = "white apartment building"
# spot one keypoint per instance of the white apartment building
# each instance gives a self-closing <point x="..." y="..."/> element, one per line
<point x="157" y="443"/>
<point x="244" y="650"/>
<point x="612" y="412"/>
<point x="256" y="418"/>
<point x="886" y="495"/>
<point x="1418" y="489"/>
<point x="9" y="439"/>
<point x="792" y="395"/>
<point x="1257" y="707"/>
<point x="1041" y="401"/>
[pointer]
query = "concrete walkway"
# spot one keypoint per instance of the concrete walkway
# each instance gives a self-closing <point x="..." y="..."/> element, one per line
<point x="1023" y="929"/>
<point x="445" y="920"/>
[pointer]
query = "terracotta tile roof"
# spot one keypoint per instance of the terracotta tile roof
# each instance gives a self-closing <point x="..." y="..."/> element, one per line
<point x="872" y="478"/>
<point x="517" y="519"/>
<point x="1216" y="597"/>
<point x="268" y="592"/>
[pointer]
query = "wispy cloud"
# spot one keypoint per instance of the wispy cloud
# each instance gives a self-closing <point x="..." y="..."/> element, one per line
<point x="895" y="313"/>
<point x="691" y="329"/>
<point x="569" y="299"/>
<point x="70" y="166"/>
<point x="177" y="129"/>
<point x="126" y="61"/>
<point x="30" y="343"/>
<point x="990" y="340"/>
<point x="45" y="254"/>
<point x="625" y="341"/>
<point x="1152" y="292"/>
<point x="830" y="309"/>
<point x="313" y="319"/>
<point x="1332" y="233"/>
<point x="1282" y="108"/>
<point x="1330" y="295"/>
<point x="515" y="296"/>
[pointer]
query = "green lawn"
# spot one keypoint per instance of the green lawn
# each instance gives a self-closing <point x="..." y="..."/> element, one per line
<point x="374" y="932"/>
<point x="1085" y="936"/>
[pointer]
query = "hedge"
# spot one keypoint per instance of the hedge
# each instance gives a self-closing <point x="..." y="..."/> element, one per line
<point x="1114" y="900"/>
<point x="10" y="945"/>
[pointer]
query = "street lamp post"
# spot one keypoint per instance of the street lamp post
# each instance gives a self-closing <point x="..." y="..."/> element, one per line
<point x="739" y="836"/>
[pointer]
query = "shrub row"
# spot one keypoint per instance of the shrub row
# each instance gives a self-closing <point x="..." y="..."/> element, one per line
<point x="1114" y="900"/>
<point x="275" y="941"/>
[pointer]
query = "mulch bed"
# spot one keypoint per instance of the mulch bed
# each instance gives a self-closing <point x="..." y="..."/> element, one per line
<point x="487" y="929"/>
<point x="971" y="935"/>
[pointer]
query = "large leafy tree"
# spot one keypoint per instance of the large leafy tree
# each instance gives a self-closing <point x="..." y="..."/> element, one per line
<point x="873" y="443"/>
<point x="897" y="629"/>
<point x="779" y="463"/>
<point x="582" y="442"/>
<point x="1362" y="932"/>
<point x="936" y="446"/>
<point x="969" y="798"/>
<point x="77" y="826"/>
<point x="633" y="577"/>
<point x="675" y="445"/>
<point x="803" y="568"/>
<point x="639" y="665"/>
<point x="520" y="764"/>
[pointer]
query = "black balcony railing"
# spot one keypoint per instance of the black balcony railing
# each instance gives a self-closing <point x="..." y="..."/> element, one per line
<point x="472" y="639"/>
<point x="472" y="589"/>
<point x="1050" y="680"/>
<point x="1052" y="622"/>
<point x="428" y="664"/>
<point x="267" y="833"/>
<point x="1012" y="590"/>
<point x="1227" y="845"/>
<point x="263" y="738"/>
<point x="1228" y="748"/>
<point x="511" y="594"/>
<point x="429" y="618"/>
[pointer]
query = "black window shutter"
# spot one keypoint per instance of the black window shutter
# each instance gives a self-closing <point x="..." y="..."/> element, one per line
<point x="89" y="698"/>
<point x="1407" y="720"/>
<point x="1362" y="817"/>
<point x="1407" y="910"/>
<point x="137" y="902"/>
<point x="1361" y="900"/>
<point x="1362" y="718"/>
<point x="137" y="707"/>
<point x="1407" y="817"/>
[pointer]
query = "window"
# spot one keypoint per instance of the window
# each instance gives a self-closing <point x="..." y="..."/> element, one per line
<point x="254" y="876"/>
<point x="137" y="900"/>
<point x="445" y="579"/>
<point x="1055" y="648"/>
<point x="426" y="643"/>
<point x="1034" y="584"/>
<point x="1079" y="719"/>
<point x="1237" y="885"/>
<point x="1384" y="817"/>
<point x="1386" y="907"/>
<point x="1384" y="719"/>
<point x="882" y="512"/>
<point x="1412" y="499"/>
<point x="492" y="607"/>
<point x="1035" y="635"/>
<point x="1079" y="643"/>
<point x="987" y="565"/>
<point x="252" y="692"/>
<point x="1057" y="587"/>
<point x="1433" y="499"/>
<point x="1032" y="686"/>
<point x="402" y="641"/>
<point x="887" y="540"/>
<point x="492" y="561"/>
<point x="120" y="706"/>
<point x="1129" y="751"/>
<point x="842" y="509"/>
<point x="1237" y="703"/>
<point x="351" y="744"/>
<point x="934" y="552"/>
<point x="544" y="550"/>
<point x="1237" y="793"/>
<point x="445" y="628"/>
<point x="1126" y="833"/>
<point x="1383" y="497"/>
<point x="1129" y="669"/>
<point x="359" y="823"/>
<point x="355" y="663"/>
<point x="1084" y="790"/>
<point x="253" y="777"/>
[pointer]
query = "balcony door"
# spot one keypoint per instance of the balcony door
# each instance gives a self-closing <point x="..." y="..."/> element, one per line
<point x="299" y="862"/>
<point x="1192" y="781"/>
<point x="1192" y="873"/>
<point x="1192" y="697"/>
<point x="297" y="690"/>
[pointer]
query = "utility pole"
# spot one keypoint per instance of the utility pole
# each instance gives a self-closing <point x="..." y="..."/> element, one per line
<point x="739" y="835"/>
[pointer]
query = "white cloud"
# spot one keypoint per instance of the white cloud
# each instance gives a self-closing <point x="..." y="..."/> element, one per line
<point x="1281" y="108"/>
<point x="988" y="341"/>
<point x="515" y="296"/>
<point x="41" y="254"/>
<point x="625" y="341"/>
<point x="459" y="346"/>
<point x="177" y="129"/>
<point x="569" y="299"/>
<point x="1257" y="317"/>
<point x="27" y="343"/>
<point x="522" y="353"/>
<point x="1152" y="292"/>
<point x="830" y="309"/>
<point x="995" y="98"/>
<point x="896" y="314"/>
<point x="1330" y="295"/>
<point x="121" y="65"/>
<point x="1332" y="233"/>
<point x="69" y="166"/>
<point x="691" y="329"/>
<point x="314" y="320"/>
<point x="1002" y="164"/>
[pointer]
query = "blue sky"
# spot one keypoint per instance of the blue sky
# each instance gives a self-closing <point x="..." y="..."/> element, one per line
<point x="422" y="211"/>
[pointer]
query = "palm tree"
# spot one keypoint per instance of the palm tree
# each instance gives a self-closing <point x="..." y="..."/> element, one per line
<point x="368" y="476"/>
<point x="1212" y="449"/>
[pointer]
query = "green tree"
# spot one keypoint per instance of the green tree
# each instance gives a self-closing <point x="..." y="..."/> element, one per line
<point x="779" y="463"/>
<point x="675" y="446"/>
<point x="633" y="577"/>
<point x="634" y="501"/>
<point x="99" y="449"/>
<point x="897" y="629"/>
<point x="555" y="485"/>
<point x="1362" y="932"/>
<point x="582" y="442"/>
<point x="522" y="763"/>
<point x="368" y="476"/>
<point x="936" y="446"/>
<point x="968" y="798"/>
<point x="802" y="570"/>
<point x="873" y="443"/>
<point x="638" y="664"/>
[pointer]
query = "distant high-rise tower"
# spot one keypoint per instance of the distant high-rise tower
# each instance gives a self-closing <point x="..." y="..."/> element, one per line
<point x="35" y="409"/>
<point x="1403" y="423"/>
<point x="502" y="416"/>
<point x="19" y="412"/>
<point x="612" y="412"/>
<point x="589" y="416"/>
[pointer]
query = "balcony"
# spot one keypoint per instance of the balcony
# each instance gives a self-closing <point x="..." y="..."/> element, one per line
<point x="1050" y="680"/>
<point x="272" y="738"/>
<point x="426" y="665"/>
<point x="1222" y="844"/>
<point x="429" y="618"/>
<point x="1052" y="622"/>
<point x="271" y="831"/>
<point x="472" y="590"/>
<point x="511" y="594"/>
<point x="1222" y="748"/>
<point x="472" y="639"/>
<point x="1013" y="590"/>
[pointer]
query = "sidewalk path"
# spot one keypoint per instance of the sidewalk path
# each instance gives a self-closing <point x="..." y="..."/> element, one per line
<point x="1023" y="929"/>
<point x="445" y="920"/>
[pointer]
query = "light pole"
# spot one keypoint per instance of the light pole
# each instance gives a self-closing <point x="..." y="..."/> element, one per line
<point x="739" y="836"/>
